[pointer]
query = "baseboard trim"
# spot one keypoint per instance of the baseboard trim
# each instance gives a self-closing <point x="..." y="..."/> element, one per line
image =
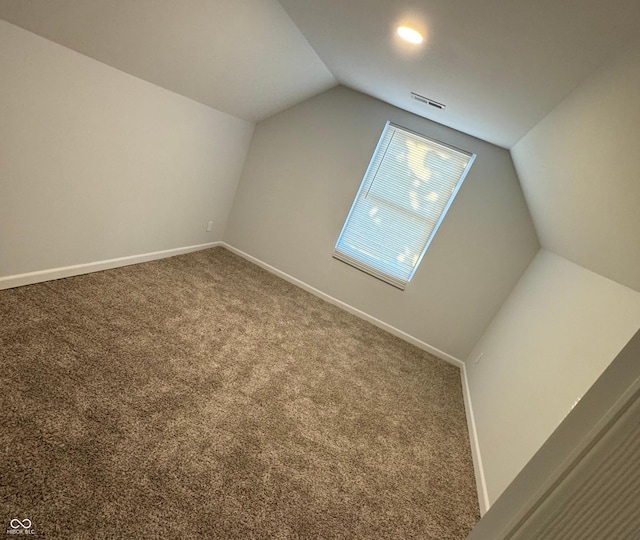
<point x="348" y="307"/>
<point x="30" y="278"/>
<point x="481" y="483"/>
<point x="483" y="495"/>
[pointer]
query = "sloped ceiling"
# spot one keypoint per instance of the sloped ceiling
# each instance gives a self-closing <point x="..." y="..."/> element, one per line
<point x="499" y="65"/>
<point x="579" y="172"/>
<point x="243" y="57"/>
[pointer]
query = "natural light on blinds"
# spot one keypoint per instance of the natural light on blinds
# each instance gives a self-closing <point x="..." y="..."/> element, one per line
<point x="406" y="192"/>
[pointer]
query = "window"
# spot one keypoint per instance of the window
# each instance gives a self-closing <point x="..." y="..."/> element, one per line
<point x="409" y="185"/>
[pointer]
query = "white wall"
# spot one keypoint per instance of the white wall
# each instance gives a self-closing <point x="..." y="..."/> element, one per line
<point x="610" y="394"/>
<point x="579" y="172"/>
<point x="558" y="331"/>
<point x="96" y="164"/>
<point x="563" y="324"/>
<point x="303" y="170"/>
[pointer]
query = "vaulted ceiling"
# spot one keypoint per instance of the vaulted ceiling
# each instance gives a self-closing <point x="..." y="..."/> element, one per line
<point x="243" y="57"/>
<point x="499" y="65"/>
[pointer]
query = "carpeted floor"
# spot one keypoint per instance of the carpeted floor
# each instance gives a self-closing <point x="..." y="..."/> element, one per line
<point x="202" y="397"/>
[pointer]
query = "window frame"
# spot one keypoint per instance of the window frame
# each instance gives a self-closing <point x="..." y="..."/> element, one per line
<point x="363" y="266"/>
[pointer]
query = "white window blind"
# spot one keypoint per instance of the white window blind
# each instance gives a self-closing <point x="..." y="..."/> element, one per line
<point x="407" y="189"/>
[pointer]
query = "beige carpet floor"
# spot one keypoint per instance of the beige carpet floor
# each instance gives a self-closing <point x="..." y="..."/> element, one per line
<point x="202" y="397"/>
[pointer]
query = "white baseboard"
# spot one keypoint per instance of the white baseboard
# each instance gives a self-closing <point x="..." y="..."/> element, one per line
<point x="347" y="307"/>
<point x="79" y="269"/>
<point x="19" y="280"/>
<point x="483" y="496"/>
<point x="481" y="483"/>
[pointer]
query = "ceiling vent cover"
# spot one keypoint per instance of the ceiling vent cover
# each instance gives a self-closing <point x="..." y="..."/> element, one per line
<point x="433" y="103"/>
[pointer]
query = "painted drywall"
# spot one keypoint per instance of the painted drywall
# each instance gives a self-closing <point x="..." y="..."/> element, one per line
<point x="244" y="57"/>
<point x="499" y="66"/>
<point x="555" y="335"/>
<point x="96" y="164"/>
<point x="579" y="172"/>
<point x="609" y="395"/>
<point x="302" y="172"/>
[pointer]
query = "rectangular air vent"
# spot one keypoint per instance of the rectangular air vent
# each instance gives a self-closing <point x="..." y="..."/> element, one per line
<point x="428" y="101"/>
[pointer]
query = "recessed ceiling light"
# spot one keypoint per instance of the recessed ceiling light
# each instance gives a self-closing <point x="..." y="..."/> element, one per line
<point x="410" y="35"/>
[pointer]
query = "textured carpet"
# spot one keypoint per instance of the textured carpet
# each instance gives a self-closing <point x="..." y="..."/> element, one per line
<point x="202" y="397"/>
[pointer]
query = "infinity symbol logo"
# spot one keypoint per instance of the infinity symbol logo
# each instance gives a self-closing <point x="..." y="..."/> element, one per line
<point x="17" y="524"/>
